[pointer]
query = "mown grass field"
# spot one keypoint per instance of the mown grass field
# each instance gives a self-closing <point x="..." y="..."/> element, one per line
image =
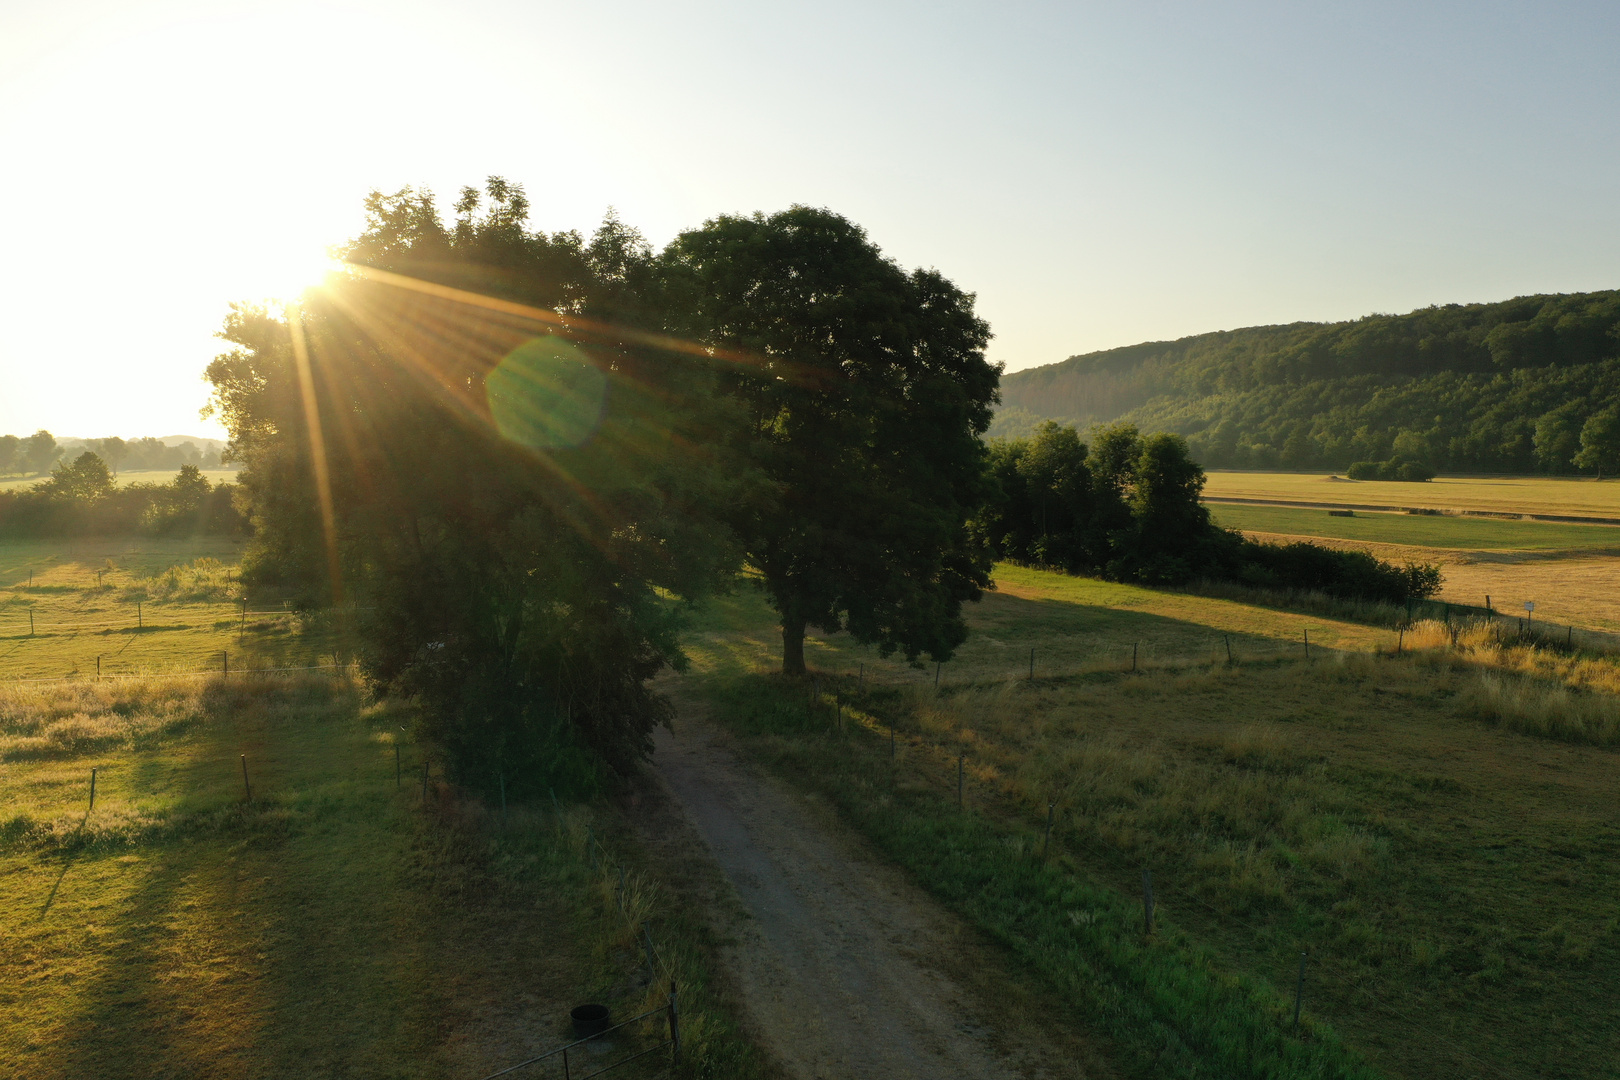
<point x="1512" y="495"/>
<point x="157" y="606"/>
<point x="127" y="477"/>
<point x="1406" y="821"/>
<point x="1419" y="530"/>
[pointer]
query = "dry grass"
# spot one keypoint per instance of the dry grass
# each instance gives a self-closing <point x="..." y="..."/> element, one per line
<point x="1450" y="877"/>
<point x="1571" y="496"/>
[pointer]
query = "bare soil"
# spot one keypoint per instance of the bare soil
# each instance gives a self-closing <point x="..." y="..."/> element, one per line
<point x="842" y="966"/>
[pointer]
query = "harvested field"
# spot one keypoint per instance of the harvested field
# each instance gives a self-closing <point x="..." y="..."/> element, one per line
<point x="1564" y="496"/>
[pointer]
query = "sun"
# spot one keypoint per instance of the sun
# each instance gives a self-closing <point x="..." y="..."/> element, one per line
<point x="282" y="276"/>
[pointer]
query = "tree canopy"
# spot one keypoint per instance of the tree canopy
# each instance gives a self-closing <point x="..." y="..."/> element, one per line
<point x="867" y="390"/>
<point x="1487" y="387"/>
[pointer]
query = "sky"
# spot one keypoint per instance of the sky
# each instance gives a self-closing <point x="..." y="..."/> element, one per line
<point x="1097" y="174"/>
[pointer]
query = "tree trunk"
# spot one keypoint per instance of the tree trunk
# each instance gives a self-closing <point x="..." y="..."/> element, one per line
<point x="793" y="646"/>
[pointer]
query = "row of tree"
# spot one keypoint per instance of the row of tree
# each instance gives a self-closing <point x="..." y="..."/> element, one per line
<point x="1527" y="385"/>
<point x="1128" y="508"/>
<point x="518" y="456"/>
<point x="35" y="454"/>
<point x="80" y="498"/>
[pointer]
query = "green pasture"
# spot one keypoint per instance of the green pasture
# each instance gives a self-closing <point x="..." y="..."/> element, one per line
<point x="156" y="606"/>
<point x="336" y="924"/>
<point x="1075" y="625"/>
<point x="1450" y="879"/>
<point x="1419" y="530"/>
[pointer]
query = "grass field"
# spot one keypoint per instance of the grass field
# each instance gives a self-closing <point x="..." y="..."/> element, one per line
<point x="1512" y="495"/>
<point x="1419" y="530"/>
<point x="1450" y="878"/>
<point x="336" y="925"/>
<point x="137" y="476"/>
<point x="157" y="605"/>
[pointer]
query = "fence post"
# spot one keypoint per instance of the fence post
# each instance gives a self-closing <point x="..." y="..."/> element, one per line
<point x="1299" y="988"/>
<point x="1031" y="665"/>
<point x="245" y="785"/>
<point x="226" y="656"/>
<point x="1228" y="641"/>
<point x="30" y="616"/>
<point x="1147" y="901"/>
<point x="1488" y="610"/>
<point x="92" y="789"/>
<point x="1400" y="640"/>
<point x="1133" y="656"/>
<point x="674" y="1025"/>
<point x="98" y="665"/>
<point x="140" y="622"/>
<point x="1307" y="645"/>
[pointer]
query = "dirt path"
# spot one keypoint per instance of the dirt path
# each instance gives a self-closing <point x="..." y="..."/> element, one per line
<point x="845" y="968"/>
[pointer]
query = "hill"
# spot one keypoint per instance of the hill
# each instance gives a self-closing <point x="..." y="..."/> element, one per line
<point x="1500" y="387"/>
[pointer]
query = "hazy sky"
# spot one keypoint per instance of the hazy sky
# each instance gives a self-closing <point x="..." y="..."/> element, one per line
<point x="1099" y="174"/>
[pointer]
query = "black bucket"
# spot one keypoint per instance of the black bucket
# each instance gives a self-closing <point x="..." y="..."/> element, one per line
<point x="590" y="1020"/>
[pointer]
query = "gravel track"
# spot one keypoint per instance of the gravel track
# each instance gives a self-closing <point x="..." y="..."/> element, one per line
<point x="845" y="968"/>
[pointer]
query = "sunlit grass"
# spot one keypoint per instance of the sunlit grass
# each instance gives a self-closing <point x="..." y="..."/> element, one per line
<point x="1449" y="875"/>
<point x="334" y="924"/>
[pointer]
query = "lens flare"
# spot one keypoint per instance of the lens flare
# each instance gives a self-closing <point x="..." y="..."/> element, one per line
<point x="546" y="394"/>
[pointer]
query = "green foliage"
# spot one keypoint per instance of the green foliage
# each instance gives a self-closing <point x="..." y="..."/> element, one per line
<point x="1600" y="443"/>
<point x="516" y="573"/>
<point x="1488" y="387"/>
<point x="1395" y="468"/>
<point x="1130" y="510"/>
<point x="28" y="456"/>
<point x="867" y="390"/>
<point x="80" y="499"/>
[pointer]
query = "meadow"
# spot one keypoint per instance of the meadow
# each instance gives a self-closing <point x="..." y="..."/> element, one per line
<point x="1566" y="496"/>
<point x="1567" y="571"/>
<point x="1419" y="530"/>
<point x="1434" y="829"/>
<point x="328" y="914"/>
<point x="143" y="605"/>
<point x="132" y="476"/>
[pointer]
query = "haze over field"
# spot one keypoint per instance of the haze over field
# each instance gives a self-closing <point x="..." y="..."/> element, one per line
<point x="1097" y="174"/>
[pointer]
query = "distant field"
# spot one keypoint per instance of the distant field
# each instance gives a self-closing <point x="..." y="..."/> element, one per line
<point x="1516" y="495"/>
<point x="1419" y="530"/>
<point x="161" y="605"/>
<point x="143" y="476"/>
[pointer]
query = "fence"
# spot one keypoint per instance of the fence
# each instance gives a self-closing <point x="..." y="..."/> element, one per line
<point x="943" y="768"/>
<point x="673" y="1042"/>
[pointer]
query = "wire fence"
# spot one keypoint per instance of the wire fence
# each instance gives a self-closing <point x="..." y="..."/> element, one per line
<point x="942" y="768"/>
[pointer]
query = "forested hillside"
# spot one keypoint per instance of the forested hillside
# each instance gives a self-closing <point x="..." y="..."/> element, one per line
<point x="1507" y="387"/>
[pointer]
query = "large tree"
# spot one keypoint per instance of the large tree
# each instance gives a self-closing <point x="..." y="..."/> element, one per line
<point x="513" y="492"/>
<point x="867" y="390"/>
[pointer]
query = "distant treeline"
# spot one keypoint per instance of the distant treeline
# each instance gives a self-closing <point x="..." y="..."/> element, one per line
<point x="1527" y="385"/>
<point x="1127" y="508"/>
<point x="33" y="455"/>
<point x="81" y="499"/>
